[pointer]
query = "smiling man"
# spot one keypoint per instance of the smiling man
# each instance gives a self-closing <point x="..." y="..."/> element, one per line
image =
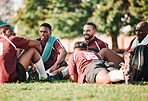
<point x="53" y="52"/>
<point x="93" y="42"/>
<point x="12" y="68"/>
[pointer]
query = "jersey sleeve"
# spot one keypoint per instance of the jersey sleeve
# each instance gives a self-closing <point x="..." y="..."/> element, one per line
<point x="20" y="42"/>
<point x="71" y="65"/>
<point x="58" y="45"/>
<point x="102" y="44"/>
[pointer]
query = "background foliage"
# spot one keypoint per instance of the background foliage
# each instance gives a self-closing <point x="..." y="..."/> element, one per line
<point x="67" y="17"/>
<point x="6" y="10"/>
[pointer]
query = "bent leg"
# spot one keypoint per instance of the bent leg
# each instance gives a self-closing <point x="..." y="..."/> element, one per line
<point x="111" y="56"/>
<point x="27" y="56"/>
<point x="105" y="77"/>
<point x="32" y="55"/>
<point x="102" y="77"/>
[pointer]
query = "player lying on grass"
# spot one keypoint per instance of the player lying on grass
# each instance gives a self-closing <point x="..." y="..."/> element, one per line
<point x="87" y="66"/>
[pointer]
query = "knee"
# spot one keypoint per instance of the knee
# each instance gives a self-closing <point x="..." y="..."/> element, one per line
<point x="102" y="77"/>
<point x="102" y="80"/>
<point x="32" y="49"/>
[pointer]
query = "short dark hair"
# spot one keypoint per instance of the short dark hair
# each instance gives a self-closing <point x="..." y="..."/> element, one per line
<point x="81" y="45"/>
<point x="4" y="27"/>
<point x="92" y="24"/>
<point x="46" y="25"/>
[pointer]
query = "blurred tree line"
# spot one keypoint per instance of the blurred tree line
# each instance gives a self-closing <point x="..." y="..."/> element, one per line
<point x="6" y="10"/>
<point x="68" y="17"/>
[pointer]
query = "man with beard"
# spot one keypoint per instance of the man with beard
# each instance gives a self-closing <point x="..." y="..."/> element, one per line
<point x="86" y="66"/>
<point x="93" y="42"/>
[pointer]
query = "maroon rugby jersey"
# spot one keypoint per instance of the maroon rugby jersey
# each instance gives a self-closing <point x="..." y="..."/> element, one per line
<point x="96" y="43"/>
<point x="78" y="62"/>
<point x="54" y="53"/>
<point x="8" y="57"/>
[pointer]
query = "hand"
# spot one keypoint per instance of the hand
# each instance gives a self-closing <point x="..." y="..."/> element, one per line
<point x="53" y="68"/>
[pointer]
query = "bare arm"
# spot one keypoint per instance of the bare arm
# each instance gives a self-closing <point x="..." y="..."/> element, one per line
<point x="73" y="78"/>
<point x="61" y="57"/>
<point x="35" y="44"/>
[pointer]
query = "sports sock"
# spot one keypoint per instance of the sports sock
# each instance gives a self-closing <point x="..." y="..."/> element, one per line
<point x="65" y="71"/>
<point x="41" y="69"/>
<point x="116" y="75"/>
<point x="39" y="73"/>
<point x="47" y="71"/>
<point x="27" y="75"/>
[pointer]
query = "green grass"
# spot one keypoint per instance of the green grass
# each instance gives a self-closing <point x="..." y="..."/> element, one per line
<point x="66" y="91"/>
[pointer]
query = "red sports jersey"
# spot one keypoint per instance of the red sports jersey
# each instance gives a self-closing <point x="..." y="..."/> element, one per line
<point x="97" y="43"/>
<point x="54" y="53"/>
<point x="78" y="62"/>
<point x="8" y="56"/>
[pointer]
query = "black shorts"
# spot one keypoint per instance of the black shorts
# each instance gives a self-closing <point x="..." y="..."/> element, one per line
<point x="21" y="73"/>
<point x="94" y="68"/>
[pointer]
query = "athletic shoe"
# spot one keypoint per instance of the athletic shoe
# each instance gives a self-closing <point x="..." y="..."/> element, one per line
<point x="33" y="75"/>
<point x="58" y="76"/>
<point x="49" y="79"/>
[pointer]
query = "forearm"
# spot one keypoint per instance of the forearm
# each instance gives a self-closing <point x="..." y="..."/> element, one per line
<point x="35" y="44"/>
<point x="61" y="56"/>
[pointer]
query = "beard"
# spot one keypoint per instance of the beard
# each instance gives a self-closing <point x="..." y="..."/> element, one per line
<point x="87" y="37"/>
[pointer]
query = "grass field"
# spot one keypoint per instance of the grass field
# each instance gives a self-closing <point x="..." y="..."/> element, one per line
<point x="67" y="91"/>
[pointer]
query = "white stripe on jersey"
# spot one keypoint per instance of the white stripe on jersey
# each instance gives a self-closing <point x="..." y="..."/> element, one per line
<point x="97" y="45"/>
<point x="60" y="43"/>
<point x="10" y="42"/>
